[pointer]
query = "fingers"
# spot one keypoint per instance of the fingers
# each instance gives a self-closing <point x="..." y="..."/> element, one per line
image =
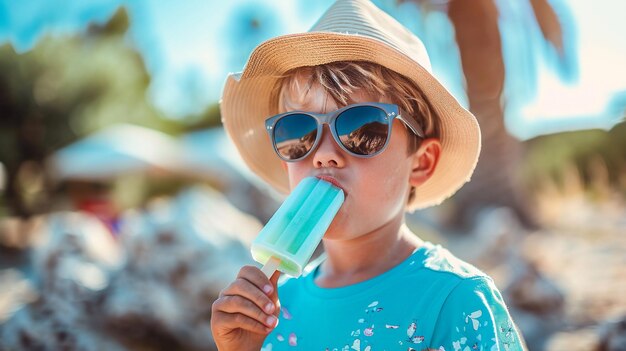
<point x="274" y="294"/>
<point x="237" y="305"/>
<point x="256" y="277"/>
<point x="249" y="303"/>
<point x="253" y="285"/>
<point x="227" y="322"/>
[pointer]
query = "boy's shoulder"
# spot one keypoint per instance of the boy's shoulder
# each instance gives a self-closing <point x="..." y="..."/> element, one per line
<point x="439" y="260"/>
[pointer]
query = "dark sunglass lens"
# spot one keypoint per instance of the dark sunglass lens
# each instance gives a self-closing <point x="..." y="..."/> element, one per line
<point x="294" y="135"/>
<point x="363" y="129"/>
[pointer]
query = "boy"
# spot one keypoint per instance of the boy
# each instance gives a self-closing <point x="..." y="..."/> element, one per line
<point x="395" y="140"/>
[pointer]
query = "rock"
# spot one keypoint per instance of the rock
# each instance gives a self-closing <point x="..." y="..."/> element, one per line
<point x="613" y="335"/>
<point x="53" y="324"/>
<point x="151" y="290"/>
<point x="180" y="254"/>
<point x="496" y="236"/>
<point x="72" y="264"/>
<point x="583" y="339"/>
<point x="75" y="248"/>
<point x="16" y="291"/>
<point x="531" y="291"/>
<point x="535" y="302"/>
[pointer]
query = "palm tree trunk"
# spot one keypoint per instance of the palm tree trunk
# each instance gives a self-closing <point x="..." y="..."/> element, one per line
<point x="495" y="181"/>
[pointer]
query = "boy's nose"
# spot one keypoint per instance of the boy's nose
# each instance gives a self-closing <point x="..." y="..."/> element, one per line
<point x="328" y="153"/>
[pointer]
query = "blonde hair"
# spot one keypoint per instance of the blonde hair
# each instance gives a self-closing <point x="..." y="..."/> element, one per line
<point x="342" y="79"/>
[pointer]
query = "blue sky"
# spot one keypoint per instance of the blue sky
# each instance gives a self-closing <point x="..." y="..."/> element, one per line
<point x="189" y="47"/>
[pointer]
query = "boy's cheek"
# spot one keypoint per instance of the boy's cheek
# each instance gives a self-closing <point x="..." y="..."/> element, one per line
<point x="290" y="172"/>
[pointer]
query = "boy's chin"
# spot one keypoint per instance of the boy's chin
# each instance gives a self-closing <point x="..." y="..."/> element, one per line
<point x="333" y="232"/>
<point x="338" y="229"/>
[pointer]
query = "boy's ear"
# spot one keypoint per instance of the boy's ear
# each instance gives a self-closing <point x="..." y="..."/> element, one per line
<point x="425" y="160"/>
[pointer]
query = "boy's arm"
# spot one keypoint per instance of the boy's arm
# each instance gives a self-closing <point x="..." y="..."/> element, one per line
<point x="474" y="317"/>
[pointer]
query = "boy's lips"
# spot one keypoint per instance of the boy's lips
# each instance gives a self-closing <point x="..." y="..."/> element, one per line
<point x="332" y="181"/>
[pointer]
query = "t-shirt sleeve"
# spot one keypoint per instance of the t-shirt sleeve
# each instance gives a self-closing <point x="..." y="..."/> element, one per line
<point x="474" y="317"/>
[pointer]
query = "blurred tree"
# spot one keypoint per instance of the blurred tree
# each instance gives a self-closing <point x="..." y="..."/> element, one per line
<point x="62" y="90"/>
<point x="210" y="117"/>
<point x="496" y="180"/>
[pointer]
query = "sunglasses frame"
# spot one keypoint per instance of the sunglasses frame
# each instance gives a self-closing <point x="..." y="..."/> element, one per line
<point x="391" y="112"/>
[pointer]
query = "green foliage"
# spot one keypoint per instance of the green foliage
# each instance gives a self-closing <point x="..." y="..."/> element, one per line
<point x="117" y="25"/>
<point x="208" y="118"/>
<point x="66" y="88"/>
<point x="552" y="155"/>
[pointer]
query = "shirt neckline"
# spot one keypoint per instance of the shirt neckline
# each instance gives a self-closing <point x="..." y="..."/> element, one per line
<point x="415" y="261"/>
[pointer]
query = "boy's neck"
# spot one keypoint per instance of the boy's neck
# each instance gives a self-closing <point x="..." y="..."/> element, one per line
<point x="356" y="260"/>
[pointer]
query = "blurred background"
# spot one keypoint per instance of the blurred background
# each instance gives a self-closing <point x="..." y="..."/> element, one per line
<point x="124" y="209"/>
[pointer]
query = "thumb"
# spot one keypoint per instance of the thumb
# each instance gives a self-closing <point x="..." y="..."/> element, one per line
<point x="274" y="295"/>
<point x="274" y="279"/>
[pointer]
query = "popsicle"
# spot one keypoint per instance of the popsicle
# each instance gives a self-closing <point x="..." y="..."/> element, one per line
<point x="290" y="237"/>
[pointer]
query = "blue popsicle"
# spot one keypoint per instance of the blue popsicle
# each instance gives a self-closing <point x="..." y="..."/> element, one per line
<point x="290" y="237"/>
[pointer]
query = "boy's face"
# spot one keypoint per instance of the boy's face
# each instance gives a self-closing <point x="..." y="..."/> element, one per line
<point x="377" y="188"/>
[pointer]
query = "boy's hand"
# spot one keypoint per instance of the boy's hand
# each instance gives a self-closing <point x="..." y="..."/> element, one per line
<point x="246" y="311"/>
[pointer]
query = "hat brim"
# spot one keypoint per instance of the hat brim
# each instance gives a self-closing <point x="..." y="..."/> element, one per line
<point x="246" y="104"/>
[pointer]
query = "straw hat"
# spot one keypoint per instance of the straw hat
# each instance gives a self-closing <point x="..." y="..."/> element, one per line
<point x="350" y="30"/>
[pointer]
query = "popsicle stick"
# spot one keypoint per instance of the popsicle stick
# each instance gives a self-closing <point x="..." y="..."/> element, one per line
<point x="270" y="267"/>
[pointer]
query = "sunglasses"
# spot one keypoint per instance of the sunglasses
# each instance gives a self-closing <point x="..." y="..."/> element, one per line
<point x="361" y="130"/>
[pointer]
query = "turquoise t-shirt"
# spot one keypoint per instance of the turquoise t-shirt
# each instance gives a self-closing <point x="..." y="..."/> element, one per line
<point x="432" y="300"/>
